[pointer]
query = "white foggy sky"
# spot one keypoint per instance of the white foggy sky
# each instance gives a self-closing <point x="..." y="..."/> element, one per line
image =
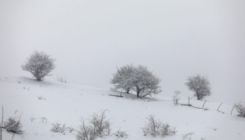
<point x="89" y="39"/>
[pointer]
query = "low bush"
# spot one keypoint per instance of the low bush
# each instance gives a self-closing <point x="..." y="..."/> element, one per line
<point x="240" y="109"/>
<point x="14" y="126"/>
<point x="155" y="127"/>
<point x="99" y="127"/>
<point x="100" y="124"/>
<point x="121" y="134"/>
<point x="57" y="127"/>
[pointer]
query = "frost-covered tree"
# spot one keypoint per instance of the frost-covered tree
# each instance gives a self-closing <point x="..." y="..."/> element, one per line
<point x="39" y="65"/>
<point x="122" y="80"/>
<point x="145" y="82"/>
<point x="139" y="79"/>
<point x="200" y="85"/>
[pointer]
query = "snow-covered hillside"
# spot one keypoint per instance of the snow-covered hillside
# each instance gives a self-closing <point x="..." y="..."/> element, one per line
<point x="44" y="103"/>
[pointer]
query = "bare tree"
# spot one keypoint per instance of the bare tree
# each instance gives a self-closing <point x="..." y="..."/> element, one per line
<point x="176" y="97"/>
<point x="138" y="79"/>
<point x="200" y="85"/>
<point x="39" y="65"/>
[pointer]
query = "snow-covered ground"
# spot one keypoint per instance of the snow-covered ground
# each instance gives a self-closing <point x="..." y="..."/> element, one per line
<point x="65" y="103"/>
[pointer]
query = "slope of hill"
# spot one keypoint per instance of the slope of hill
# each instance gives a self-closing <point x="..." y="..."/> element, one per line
<point x="44" y="103"/>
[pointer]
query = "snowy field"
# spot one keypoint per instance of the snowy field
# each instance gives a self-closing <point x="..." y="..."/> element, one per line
<point x="44" y="103"/>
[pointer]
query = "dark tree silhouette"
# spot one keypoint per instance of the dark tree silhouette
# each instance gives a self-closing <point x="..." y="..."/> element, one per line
<point x="39" y="65"/>
<point x="200" y="85"/>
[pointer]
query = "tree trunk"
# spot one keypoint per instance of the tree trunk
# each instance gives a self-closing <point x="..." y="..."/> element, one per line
<point x="39" y="79"/>
<point x="138" y="91"/>
<point x="127" y="91"/>
<point x="199" y="97"/>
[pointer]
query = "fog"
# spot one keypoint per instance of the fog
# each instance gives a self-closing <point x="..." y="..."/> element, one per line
<point x="91" y="39"/>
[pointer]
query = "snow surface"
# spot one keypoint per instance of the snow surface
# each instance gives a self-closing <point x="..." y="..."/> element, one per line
<point x="66" y="103"/>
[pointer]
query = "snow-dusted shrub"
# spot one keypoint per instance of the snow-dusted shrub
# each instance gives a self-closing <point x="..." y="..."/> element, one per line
<point x="100" y="124"/>
<point x="14" y="126"/>
<point x="57" y="127"/>
<point x="122" y="80"/>
<point x="176" y="97"/>
<point x="139" y="79"/>
<point x="155" y="127"/>
<point x="240" y="109"/>
<point x="71" y="129"/>
<point x="121" y="134"/>
<point x="152" y="127"/>
<point x="86" y="132"/>
<point x="200" y="85"/>
<point x="166" y="130"/>
<point x="39" y="65"/>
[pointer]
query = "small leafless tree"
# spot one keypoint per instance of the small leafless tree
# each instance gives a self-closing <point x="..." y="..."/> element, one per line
<point x="240" y="109"/>
<point x="200" y="85"/>
<point x="176" y="97"/>
<point x="39" y="65"/>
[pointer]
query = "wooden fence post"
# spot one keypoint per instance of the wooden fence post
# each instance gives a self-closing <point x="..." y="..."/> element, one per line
<point x="204" y="104"/>
<point x="219" y="107"/>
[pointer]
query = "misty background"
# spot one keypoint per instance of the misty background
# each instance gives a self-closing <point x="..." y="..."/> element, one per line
<point x="175" y="39"/>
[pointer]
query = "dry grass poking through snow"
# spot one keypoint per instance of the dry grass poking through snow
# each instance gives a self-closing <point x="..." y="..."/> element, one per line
<point x="14" y="126"/>
<point x="98" y="126"/>
<point x="155" y="127"/>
